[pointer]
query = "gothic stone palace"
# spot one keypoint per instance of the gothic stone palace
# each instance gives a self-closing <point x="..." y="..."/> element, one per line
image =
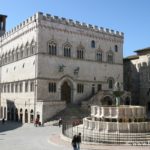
<point x="48" y="62"/>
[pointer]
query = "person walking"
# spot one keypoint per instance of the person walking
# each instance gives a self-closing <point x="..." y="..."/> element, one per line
<point x="78" y="139"/>
<point x="74" y="142"/>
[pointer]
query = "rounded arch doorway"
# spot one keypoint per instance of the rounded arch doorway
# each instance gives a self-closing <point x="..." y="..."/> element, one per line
<point x="66" y="92"/>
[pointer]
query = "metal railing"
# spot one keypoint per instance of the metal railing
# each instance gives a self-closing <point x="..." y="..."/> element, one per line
<point x="69" y="129"/>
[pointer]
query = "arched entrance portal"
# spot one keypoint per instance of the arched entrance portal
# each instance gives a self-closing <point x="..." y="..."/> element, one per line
<point x="66" y="92"/>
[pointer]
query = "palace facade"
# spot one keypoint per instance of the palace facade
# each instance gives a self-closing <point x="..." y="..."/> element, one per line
<point x="48" y="62"/>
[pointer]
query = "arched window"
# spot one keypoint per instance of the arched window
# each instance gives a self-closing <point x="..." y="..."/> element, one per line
<point x="32" y="48"/>
<point x="21" y="52"/>
<point x="16" y="87"/>
<point x="31" y="86"/>
<point x="92" y="44"/>
<point x="67" y="50"/>
<point x="12" y="87"/>
<point x="52" y="48"/>
<point x="116" y="48"/>
<point x="110" y="83"/>
<point x="13" y="55"/>
<point x="110" y="57"/>
<point x="20" y="87"/>
<point x="17" y="54"/>
<point x="6" y="58"/>
<point x="27" y="49"/>
<point x="99" y="56"/>
<point x="80" y="52"/>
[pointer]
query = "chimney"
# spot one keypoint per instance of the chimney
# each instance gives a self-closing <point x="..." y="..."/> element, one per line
<point x="2" y="24"/>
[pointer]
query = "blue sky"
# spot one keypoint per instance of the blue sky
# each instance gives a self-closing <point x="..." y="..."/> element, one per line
<point x="129" y="16"/>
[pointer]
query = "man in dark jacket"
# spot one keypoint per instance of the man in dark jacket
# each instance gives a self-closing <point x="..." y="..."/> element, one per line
<point x="78" y="141"/>
<point x="74" y="142"/>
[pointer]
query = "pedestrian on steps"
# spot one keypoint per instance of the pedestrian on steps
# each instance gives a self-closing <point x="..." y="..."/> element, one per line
<point x="74" y="142"/>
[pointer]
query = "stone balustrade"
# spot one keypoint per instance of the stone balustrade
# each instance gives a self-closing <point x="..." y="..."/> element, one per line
<point x="128" y="112"/>
<point x="123" y="127"/>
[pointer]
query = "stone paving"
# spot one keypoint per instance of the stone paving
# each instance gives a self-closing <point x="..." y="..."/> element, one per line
<point x="16" y="136"/>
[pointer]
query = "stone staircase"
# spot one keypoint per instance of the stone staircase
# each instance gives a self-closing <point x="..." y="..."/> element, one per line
<point x="72" y="112"/>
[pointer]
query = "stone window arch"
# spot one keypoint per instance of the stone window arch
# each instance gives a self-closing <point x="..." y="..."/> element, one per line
<point x="27" y="49"/>
<point x="13" y="55"/>
<point x="26" y="86"/>
<point x="32" y="47"/>
<point x="12" y="87"/>
<point x="92" y="44"/>
<point x="116" y="48"/>
<point x="67" y="49"/>
<point x="17" y="53"/>
<point x="5" y="58"/>
<point x="31" y="86"/>
<point x="99" y="55"/>
<point x="21" y="52"/>
<point x="110" y="82"/>
<point x="20" y="86"/>
<point x="110" y="57"/>
<point x="52" y="48"/>
<point x="8" y="57"/>
<point x="80" y="52"/>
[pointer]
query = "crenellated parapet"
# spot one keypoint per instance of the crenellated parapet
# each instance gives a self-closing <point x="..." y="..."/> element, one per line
<point x="47" y="17"/>
<point x="79" y="24"/>
<point x="20" y="26"/>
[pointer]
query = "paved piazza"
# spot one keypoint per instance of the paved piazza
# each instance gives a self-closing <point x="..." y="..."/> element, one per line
<point x="15" y="136"/>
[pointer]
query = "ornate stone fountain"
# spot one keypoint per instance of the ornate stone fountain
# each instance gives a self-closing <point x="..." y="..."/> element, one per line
<point x="122" y="119"/>
<point x="127" y="121"/>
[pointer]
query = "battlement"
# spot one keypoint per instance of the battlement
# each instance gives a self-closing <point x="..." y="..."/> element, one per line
<point x="62" y="20"/>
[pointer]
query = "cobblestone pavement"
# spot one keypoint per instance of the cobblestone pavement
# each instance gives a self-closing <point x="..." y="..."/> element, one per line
<point x="15" y="136"/>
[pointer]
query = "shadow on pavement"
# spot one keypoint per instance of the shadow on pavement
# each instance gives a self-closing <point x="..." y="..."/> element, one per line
<point x="9" y="125"/>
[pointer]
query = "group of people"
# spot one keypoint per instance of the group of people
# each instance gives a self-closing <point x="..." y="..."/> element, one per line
<point x="76" y="142"/>
<point x="37" y="122"/>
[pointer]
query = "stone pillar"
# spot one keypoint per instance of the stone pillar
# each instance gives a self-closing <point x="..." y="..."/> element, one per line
<point x="23" y="113"/>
